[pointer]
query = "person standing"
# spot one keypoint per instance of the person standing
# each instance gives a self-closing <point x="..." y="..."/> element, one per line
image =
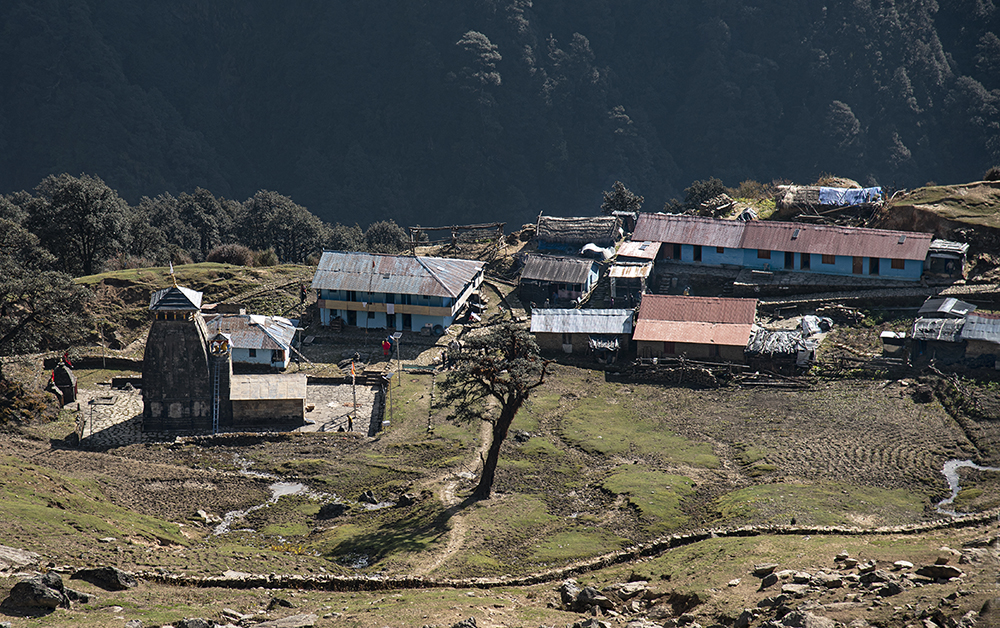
<point x="386" y="347"/>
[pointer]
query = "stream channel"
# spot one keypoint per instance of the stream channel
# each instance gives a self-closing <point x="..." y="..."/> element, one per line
<point x="950" y="472"/>
<point x="278" y="490"/>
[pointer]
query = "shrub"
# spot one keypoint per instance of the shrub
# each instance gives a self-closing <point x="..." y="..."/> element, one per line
<point x="993" y="174"/>
<point x="236" y="254"/>
<point x="125" y="262"/>
<point x="266" y="257"/>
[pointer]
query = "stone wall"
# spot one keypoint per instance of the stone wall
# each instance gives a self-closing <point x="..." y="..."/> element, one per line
<point x="176" y="382"/>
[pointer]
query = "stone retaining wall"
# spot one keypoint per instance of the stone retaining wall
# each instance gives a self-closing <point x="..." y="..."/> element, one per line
<point x="377" y="583"/>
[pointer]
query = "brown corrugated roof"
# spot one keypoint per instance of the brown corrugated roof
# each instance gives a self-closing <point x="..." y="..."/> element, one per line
<point x="682" y="229"/>
<point x="793" y="237"/>
<point x="697" y="309"/>
<point x="639" y="249"/>
<point x="693" y="332"/>
<point x="797" y="237"/>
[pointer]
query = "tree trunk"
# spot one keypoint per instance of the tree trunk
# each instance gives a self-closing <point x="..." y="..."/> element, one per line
<point x="507" y="412"/>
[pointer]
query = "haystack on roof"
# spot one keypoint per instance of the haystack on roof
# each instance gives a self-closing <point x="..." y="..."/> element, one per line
<point x="601" y="230"/>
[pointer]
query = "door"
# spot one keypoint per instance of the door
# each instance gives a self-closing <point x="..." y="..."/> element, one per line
<point x="873" y="266"/>
<point x="859" y="263"/>
<point x="789" y="260"/>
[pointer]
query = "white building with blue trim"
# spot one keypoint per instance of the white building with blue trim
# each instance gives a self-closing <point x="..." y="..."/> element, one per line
<point x="400" y="292"/>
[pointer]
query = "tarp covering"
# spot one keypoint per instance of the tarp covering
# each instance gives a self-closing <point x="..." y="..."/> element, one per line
<point x="849" y="196"/>
<point x="605" y="342"/>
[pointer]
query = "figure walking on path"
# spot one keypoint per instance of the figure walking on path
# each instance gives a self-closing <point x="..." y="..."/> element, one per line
<point x="386" y="347"/>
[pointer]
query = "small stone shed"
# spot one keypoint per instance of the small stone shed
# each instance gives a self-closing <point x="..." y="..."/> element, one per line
<point x="268" y="401"/>
<point x="582" y="331"/>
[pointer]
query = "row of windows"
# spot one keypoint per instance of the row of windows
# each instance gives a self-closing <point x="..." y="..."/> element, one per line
<point x="895" y="264"/>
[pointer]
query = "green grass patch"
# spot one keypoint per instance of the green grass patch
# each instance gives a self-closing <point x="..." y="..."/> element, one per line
<point x="819" y="504"/>
<point x="599" y="427"/>
<point x="655" y="494"/>
<point x="574" y="544"/>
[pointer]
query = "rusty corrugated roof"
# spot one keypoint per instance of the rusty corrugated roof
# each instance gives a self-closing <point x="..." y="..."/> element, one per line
<point x="697" y="309"/>
<point x="682" y="229"/>
<point x="796" y="237"/>
<point x="630" y="271"/>
<point x="793" y="237"/>
<point x="639" y="250"/>
<point x="556" y="268"/>
<point x="692" y="332"/>
<point x="572" y="321"/>
<point x="253" y="332"/>
<point x="395" y="274"/>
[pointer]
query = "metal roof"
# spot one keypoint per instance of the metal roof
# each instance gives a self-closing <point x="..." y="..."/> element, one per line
<point x="949" y="247"/>
<point x="945" y="308"/>
<point x="580" y="230"/>
<point x="798" y="237"/>
<point x="568" y="321"/>
<point x="697" y="309"/>
<point x="639" y="250"/>
<point x="264" y="387"/>
<point x="683" y="229"/>
<point x="621" y="270"/>
<point x="395" y="274"/>
<point x="247" y="331"/>
<point x="982" y="327"/>
<point x="727" y="334"/>
<point x="698" y="320"/>
<point x="792" y="237"/>
<point x="175" y="298"/>
<point x="942" y="329"/>
<point x="556" y="268"/>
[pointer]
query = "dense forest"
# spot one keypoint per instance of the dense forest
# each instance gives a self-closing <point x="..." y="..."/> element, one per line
<point x="455" y="111"/>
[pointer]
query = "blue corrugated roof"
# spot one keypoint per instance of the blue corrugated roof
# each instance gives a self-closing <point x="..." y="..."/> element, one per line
<point x="395" y="274"/>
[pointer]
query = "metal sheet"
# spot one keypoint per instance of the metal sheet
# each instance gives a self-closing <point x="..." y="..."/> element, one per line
<point x="797" y="237"/>
<point x="558" y="269"/>
<point x="631" y="271"/>
<point x="727" y="334"/>
<point x="571" y="321"/>
<point x="253" y="332"/>
<point x="697" y="309"/>
<point x="639" y="250"/>
<point x="982" y="327"/>
<point x="264" y="387"/>
<point x="395" y="274"/>
<point x="682" y="229"/>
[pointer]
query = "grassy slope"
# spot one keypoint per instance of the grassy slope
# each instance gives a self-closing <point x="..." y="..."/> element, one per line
<point x="972" y="203"/>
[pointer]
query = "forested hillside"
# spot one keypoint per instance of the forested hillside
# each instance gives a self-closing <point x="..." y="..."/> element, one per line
<point x="456" y="111"/>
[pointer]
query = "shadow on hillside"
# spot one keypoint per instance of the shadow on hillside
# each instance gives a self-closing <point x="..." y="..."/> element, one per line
<point x="417" y="531"/>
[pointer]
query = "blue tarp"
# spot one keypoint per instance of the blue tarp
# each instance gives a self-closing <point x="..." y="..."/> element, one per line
<point x="848" y="196"/>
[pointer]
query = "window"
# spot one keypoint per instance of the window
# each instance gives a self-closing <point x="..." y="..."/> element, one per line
<point x="567" y="339"/>
<point x="762" y="254"/>
<point x="668" y="348"/>
<point x="277" y="355"/>
<point x="352" y="295"/>
<point x="898" y="264"/>
<point x="697" y="252"/>
<point x="253" y="353"/>
<point x="720" y="249"/>
<point x="829" y="259"/>
<point x="371" y="314"/>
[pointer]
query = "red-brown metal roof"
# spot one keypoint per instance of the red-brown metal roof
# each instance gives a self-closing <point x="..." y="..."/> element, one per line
<point x="681" y="229"/>
<point x="697" y="309"/>
<point x="727" y="334"/>
<point x="797" y="237"/>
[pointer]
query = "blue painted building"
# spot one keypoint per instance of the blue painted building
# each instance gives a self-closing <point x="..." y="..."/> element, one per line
<point x="394" y="291"/>
<point x="258" y="340"/>
<point x="787" y="246"/>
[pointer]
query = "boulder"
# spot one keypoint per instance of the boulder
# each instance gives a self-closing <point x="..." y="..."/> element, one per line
<point x="805" y="619"/>
<point x="627" y="590"/>
<point x="368" y="497"/>
<point x="940" y="572"/>
<point x="13" y="559"/>
<point x="568" y="592"/>
<point x="465" y="623"/>
<point x="194" y="622"/>
<point x="890" y="589"/>
<point x="989" y="613"/>
<point x="795" y="590"/>
<point x="331" y="511"/>
<point x="763" y="569"/>
<point x="307" y="620"/>
<point x="37" y="593"/>
<point x="108" y="578"/>
<point x="902" y="564"/>
<point x="590" y="597"/>
<point x="768" y="581"/>
<point x="591" y="622"/>
<point x="406" y="499"/>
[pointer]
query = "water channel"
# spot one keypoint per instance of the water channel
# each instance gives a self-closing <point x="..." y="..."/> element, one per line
<point x="950" y="472"/>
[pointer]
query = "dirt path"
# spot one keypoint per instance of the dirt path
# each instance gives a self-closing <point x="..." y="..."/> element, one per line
<point x="444" y="487"/>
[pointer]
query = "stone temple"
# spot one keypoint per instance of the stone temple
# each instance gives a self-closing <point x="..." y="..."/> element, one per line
<point x="187" y="377"/>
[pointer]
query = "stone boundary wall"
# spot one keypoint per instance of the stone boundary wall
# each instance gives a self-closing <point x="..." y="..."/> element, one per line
<point x="642" y="550"/>
<point x="97" y="362"/>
